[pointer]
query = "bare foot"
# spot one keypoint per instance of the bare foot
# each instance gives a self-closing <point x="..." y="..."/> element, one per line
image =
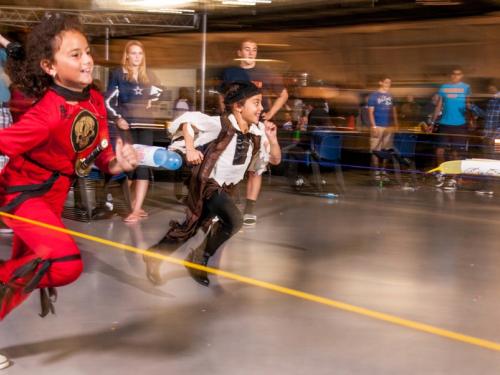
<point x="140" y="212"/>
<point x="132" y="218"/>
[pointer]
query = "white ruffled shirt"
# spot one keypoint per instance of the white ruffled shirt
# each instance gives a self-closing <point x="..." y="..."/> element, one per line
<point x="205" y="129"/>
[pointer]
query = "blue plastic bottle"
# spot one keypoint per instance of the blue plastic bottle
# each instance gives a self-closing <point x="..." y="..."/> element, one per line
<point x="153" y="156"/>
<point x="167" y="159"/>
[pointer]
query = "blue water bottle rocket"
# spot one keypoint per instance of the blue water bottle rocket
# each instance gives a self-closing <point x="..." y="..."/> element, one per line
<point x="158" y="157"/>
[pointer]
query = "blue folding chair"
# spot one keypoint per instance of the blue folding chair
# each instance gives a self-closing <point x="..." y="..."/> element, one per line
<point x="326" y="150"/>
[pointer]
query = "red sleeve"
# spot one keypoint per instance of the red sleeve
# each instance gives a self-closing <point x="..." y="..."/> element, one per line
<point x="104" y="159"/>
<point x="30" y="131"/>
<point x="107" y="155"/>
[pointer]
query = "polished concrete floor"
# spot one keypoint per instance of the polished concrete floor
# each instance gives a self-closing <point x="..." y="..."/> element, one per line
<point x="426" y="256"/>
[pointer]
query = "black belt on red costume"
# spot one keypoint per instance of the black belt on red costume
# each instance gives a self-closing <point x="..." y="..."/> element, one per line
<point x="37" y="268"/>
<point x="32" y="266"/>
<point x="32" y="190"/>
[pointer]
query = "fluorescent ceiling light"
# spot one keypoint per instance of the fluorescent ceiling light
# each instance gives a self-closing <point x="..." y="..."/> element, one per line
<point x="439" y="2"/>
<point x="245" y="2"/>
<point x="154" y="3"/>
<point x="236" y="2"/>
<point x="158" y="6"/>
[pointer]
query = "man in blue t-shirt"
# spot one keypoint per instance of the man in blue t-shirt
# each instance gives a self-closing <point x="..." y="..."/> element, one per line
<point x="383" y="121"/>
<point x="453" y="105"/>
<point x="272" y="87"/>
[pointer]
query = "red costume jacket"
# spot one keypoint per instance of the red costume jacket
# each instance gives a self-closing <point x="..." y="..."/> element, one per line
<point x="49" y="138"/>
<point x="43" y="147"/>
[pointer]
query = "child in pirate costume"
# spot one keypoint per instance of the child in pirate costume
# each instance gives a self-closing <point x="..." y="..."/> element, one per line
<point x="220" y="150"/>
<point x="46" y="148"/>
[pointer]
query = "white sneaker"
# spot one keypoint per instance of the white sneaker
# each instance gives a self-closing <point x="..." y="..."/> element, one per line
<point x="408" y="187"/>
<point x="249" y="219"/>
<point x="299" y="182"/>
<point x="5" y="229"/>
<point x="4" y="362"/>
<point x="485" y="192"/>
<point x="439" y="180"/>
<point x="451" y="185"/>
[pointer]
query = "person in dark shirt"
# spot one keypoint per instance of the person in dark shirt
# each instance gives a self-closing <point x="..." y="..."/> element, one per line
<point x="410" y="112"/>
<point x="492" y="121"/>
<point x="318" y="117"/>
<point x="272" y="87"/>
<point x="491" y="134"/>
<point x="131" y="90"/>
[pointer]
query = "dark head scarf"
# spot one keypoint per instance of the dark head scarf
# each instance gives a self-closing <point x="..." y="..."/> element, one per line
<point x="239" y="90"/>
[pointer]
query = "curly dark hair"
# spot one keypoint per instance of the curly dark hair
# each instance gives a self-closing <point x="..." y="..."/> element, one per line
<point x="42" y="43"/>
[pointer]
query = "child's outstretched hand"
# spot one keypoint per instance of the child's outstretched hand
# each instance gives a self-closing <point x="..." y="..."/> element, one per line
<point x="126" y="156"/>
<point x="271" y="131"/>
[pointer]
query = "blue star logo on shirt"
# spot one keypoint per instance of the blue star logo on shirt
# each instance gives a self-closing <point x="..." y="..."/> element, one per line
<point x="138" y="91"/>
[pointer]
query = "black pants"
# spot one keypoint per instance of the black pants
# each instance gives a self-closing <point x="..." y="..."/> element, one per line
<point x="230" y="220"/>
<point x="453" y="137"/>
<point x="143" y="137"/>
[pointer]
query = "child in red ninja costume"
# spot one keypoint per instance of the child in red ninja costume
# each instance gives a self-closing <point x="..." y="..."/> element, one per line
<point x="65" y="125"/>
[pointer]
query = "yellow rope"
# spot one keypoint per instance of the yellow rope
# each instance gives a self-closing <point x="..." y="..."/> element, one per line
<point x="277" y="288"/>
